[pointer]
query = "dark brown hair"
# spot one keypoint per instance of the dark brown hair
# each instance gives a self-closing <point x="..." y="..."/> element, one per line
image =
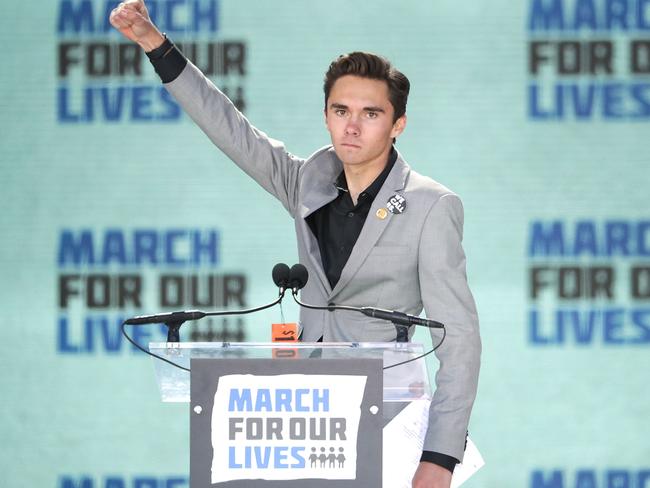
<point x="368" y="65"/>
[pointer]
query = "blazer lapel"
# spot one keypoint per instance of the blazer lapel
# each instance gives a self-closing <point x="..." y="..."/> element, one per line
<point x="317" y="190"/>
<point x="374" y="226"/>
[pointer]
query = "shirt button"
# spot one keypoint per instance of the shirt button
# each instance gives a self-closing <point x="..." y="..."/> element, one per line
<point x="350" y="214"/>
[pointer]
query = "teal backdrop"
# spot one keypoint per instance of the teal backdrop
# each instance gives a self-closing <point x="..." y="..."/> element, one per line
<point x="536" y="112"/>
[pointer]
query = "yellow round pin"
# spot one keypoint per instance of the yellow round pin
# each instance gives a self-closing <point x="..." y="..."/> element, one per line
<point x="382" y="213"/>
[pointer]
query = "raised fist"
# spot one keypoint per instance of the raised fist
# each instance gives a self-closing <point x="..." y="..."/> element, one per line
<point x="131" y="18"/>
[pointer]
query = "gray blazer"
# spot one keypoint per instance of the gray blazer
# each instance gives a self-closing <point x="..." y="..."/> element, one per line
<point x="404" y="262"/>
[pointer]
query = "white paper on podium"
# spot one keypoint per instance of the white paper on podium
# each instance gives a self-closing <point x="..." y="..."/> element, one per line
<point x="472" y="462"/>
<point x="402" y="448"/>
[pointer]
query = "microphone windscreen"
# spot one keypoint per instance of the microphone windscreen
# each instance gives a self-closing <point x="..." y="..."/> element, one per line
<point x="280" y="275"/>
<point x="298" y="276"/>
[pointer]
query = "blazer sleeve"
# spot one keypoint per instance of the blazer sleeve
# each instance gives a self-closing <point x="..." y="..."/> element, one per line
<point x="264" y="159"/>
<point x="446" y="298"/>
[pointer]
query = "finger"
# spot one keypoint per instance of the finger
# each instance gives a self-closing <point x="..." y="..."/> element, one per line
<point x="137" y="5"/>
<point x="129" y="16"/>
<point x="133" y="14"/>
<point x="120" y="18"/>
<point x="117" y="19"/>
<point x="125" y="7"/>
<point x="128" y="7"/>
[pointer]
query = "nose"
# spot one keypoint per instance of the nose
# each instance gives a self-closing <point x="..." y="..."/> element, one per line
<point x="352" y="128"/>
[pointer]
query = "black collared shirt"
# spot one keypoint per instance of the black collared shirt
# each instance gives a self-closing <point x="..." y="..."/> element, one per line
<point x="338" y="224"/>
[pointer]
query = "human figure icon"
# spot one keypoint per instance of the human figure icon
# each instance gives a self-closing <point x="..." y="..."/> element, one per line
<point x="332" y="458"/>
<point x="313" y="457"/>
<point x="341" y="458"/>
<point x="322" y="457"/>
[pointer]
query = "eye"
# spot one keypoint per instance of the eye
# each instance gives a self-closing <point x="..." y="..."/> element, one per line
<point x="340" y="112"/>
<point x="372" y="115"/>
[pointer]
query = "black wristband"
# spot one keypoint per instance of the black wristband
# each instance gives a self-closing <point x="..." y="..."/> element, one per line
<point x="161" y="50"/>
<point x="167" y="60"/>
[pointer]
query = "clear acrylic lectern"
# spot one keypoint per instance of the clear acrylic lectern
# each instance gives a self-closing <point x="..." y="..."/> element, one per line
<point x="401" y="419"/>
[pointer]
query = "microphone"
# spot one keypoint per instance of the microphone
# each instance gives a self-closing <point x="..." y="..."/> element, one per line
<point x="173" y="320"/>
<point x="298" y="279"/>
<point x="281" y="277"/>
<point x="298" y="276"/>
<point x="163" y="318"/>
<point x="400" y="318"/>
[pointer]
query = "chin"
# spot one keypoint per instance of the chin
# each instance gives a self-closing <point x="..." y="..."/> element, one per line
<point x="350" y="161"/>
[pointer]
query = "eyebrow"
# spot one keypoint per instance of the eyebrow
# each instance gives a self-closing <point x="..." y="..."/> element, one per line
<point x="365" y="109"/>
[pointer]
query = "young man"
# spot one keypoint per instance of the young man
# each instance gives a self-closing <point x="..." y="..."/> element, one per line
<point x="370" y="230"/>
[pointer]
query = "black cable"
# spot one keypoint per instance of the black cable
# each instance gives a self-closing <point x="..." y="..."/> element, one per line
<point x="354" y="309"/>
<point x="328" y="307"/>
<point x="149" y="352"/>
<point x="240" y="312"/>
<point x="444" y="334"/>
<point x="236" y="312"/>
<point x="249" y="310"/>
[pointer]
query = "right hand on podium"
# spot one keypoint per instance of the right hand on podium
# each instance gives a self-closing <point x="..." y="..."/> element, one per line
<point x="131" y="18"/>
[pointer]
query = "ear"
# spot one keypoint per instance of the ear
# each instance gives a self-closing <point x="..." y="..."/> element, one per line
<point x="398" y="126"/>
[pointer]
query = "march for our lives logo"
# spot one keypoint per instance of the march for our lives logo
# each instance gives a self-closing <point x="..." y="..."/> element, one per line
<point x="589" y="283"/>
<point x="102" y="77"/>
<point x="106" y="276"/>
<point x="273" y="432"/>
<point x="588" y="60"/>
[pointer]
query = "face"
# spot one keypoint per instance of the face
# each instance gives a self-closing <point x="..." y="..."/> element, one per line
<point x="359" y="118"/>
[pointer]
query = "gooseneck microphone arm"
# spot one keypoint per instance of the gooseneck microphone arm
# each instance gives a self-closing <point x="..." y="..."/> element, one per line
<point x="298" y="279"/>
<point x="174" y="320"/>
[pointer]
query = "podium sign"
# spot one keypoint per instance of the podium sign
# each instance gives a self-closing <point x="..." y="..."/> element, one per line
<point x="286" y="423"/>
<point x="267" y="383"/>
